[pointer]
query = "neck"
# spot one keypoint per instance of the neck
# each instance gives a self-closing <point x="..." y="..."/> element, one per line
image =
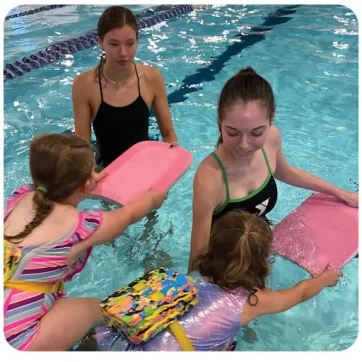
<point x="229" y="157"/>
<point x="209" y="279"/>
<point x="118" y="75"/>
<point x="72" y="200"/>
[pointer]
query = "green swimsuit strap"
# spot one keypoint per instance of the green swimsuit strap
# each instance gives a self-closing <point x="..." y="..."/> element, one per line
<point x="267" y="161"/>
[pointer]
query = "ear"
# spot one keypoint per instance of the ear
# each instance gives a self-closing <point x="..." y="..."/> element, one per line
<point x="219" y="124"/>
<point x="88" y="187"/>
<point x="100" y="42"/>
<point x="271" y="119"/>
<point x="272" y="116"/>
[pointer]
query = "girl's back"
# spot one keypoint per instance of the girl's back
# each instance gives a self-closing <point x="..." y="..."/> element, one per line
<point x="21" y="211"/>
<point x="47" y="241"/>
<point x="44" y="259"/>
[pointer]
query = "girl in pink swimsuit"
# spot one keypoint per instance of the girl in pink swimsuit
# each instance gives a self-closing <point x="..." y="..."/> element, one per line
<point x="55" y="242"/>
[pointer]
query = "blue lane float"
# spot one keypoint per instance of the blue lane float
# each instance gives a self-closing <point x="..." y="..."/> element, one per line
<point x="58" y="50"/>
<point x="34" y="11"/>
<point x="256" y="34"/>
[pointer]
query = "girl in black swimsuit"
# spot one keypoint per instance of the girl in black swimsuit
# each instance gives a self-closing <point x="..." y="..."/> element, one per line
<point x="240" y="173"/>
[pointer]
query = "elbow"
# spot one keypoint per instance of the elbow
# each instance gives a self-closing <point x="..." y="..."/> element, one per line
<point x="192" y="258"/>
<point x="132" y="217"/>
<point x="84" y="137"/>
<point x="304" y="293"/>
<point x="191" y="266"/>
<point x="303" y="298"/>
<point x="191" y="263"/>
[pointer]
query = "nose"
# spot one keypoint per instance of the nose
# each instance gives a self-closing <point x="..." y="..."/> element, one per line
<point x="243" y="142"/>
<point x="122" y="50"/>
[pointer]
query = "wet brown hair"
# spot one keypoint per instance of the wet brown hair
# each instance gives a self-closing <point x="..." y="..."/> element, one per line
<point x="60" y="164"/>
<point x="238" y="253"/>
<point x="114" y="17"/>
<point x="245" y="86"/>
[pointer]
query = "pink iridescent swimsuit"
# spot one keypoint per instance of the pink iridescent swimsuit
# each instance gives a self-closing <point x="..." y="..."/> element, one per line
<point x="211" y="325"/>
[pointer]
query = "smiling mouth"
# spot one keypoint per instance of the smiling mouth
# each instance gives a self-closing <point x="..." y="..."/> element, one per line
<point x="244" y="153"/>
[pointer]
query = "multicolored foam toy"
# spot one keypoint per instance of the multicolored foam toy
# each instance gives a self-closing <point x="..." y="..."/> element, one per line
<point x="12" y="255"/>
<point x="150" y="304"/>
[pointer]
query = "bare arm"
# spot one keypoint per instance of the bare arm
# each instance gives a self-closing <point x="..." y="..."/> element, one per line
<point x="81" y="108"/>
<point x="300" y="178"/>
<point x="203" y="205"/>
<point x="162" y="110"/>
<point x="116" y="221"/>
<point x="271" y="302"/>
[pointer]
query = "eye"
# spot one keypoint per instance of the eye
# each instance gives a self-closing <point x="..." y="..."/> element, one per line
<point x="257" y="134"/>
<point x="113" y="44"/>
<point x="131" y="44"/>
<point x="233" y="134"/>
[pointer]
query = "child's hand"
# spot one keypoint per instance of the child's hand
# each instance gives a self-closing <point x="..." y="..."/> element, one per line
<point x="157" y="198"/>
<point x="98" y="176"/>
<point x="173" y="144"/>
<point x="330" y="275"/>
<point x="350" y="198"/>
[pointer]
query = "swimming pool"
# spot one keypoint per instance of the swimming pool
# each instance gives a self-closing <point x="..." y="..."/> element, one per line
<point x="310" y="59"/>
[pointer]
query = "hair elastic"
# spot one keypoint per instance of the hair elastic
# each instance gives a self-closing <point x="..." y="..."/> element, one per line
<point x="42" y="189"/>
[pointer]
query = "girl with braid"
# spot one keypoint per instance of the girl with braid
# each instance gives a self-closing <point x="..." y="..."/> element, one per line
<point x="55" y="241"/>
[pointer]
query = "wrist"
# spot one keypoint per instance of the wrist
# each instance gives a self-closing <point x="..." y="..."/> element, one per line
<point x="151" y="201"/>
<point x="322" y="279"/>
<point x="338" y="192"/>
<point x="170" y="138"/>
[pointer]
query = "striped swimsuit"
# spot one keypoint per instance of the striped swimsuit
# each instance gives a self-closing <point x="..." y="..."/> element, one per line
<point x="46" y="263"/>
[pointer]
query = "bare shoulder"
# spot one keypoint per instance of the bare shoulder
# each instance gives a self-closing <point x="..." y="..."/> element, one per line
<point x="85" y="79"/>
<point x="149" y="72"/>
<point x="255" y="306"/>
<point x="209" y="176"/>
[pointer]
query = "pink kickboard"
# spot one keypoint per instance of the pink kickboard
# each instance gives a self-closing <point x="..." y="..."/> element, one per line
<point x="321" y="230"/>
<point x="146" y="165"/>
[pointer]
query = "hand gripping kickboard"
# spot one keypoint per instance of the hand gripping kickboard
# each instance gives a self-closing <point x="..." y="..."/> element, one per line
<point x="146" y="165"/>
<point x="321" y="230"/>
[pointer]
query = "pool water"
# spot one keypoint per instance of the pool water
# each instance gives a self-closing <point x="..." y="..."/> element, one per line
<point x="310" y="57"/>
